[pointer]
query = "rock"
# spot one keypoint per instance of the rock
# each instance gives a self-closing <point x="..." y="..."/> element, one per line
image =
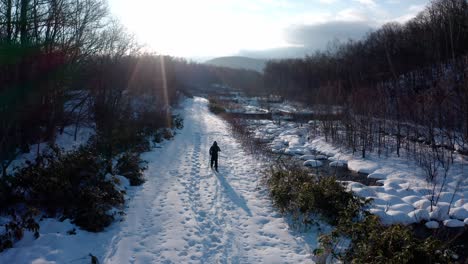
<point x="338" y="163"/>
<point x="423" y="203"/>
<point x="313" y="163"/>
<point x="398" y="217"/>
<point x="321" y="157"/>
<point x="453" y="223"/>
<point x="459" y="213"/>
<point x="378" y="176"/>
<point x="432" y="224"/>
<point x="307" y="157"/>
<point x="419" y="214"/>
<point x="402" y="207"/>
<point x="440" y="212"/>
<point x="411" y="199"/>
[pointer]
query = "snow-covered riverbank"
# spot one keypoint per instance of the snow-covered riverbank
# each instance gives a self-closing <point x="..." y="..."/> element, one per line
<point x="404" y="196"/>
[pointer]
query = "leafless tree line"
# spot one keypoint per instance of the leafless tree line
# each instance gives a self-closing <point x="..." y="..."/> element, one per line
<point x="68" y="62"/>
<point x="408" y="81"/>
<point x="402" y="89"/>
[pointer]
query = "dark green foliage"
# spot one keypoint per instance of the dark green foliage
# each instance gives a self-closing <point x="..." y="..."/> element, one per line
<point x="372" y="242"/>
<point x="128" y="138"/>
<point x="167" y="134"/>
<point x="294" y="190"/>
<point x="177" y="122"/>
<point x="94" y="259"/>
<point x="129" y="166"/>
<point x="6" y="195"/>
<point x="215" y="107"/>
<point x="157" y="137"/>
<point x="71" y="231"/>
<point x="303" y="195"/>
<point x="73" y="184"/>
<point x="15" y="228"/>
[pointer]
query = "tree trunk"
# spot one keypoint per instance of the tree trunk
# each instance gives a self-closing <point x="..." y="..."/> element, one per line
<point x="24" y="22"/>
<point x="8" y="20"/>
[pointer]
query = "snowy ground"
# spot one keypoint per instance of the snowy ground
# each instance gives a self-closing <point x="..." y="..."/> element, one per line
<point x="184" y="213"/>
<point x="65" y="141"/>
<point x="404" y="196"/>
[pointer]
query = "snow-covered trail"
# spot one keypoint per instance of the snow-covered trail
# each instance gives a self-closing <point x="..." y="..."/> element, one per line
<point x="186" y="213"/>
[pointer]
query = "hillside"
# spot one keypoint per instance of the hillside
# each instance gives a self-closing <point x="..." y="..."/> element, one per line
<point x="238" y="62"/>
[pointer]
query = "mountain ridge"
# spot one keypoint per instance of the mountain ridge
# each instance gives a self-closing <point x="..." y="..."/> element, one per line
<point x="238" y="62"/>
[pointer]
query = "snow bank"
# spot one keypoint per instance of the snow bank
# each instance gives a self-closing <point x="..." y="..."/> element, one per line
<point x="65" y="141"/>
<point x="404" y="190"/>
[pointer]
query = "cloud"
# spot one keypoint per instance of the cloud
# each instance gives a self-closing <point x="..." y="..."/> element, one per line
<point x="369" y="3"/>
<point x="306" y="39"/>
<point x="413" y="11"/>
<point x="319" y="35"/>
<point x="328" y="1"/>
<point x="416" y="8"/>
<point x="352" y="14"/>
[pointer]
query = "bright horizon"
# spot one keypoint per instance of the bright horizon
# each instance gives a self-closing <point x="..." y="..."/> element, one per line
<point x="212" y="28"/>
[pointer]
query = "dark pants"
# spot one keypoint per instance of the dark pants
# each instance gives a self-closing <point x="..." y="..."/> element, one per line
<point x="214" y="159"/>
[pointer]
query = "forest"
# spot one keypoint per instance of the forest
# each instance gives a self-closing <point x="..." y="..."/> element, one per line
<point x="407" y="80"/>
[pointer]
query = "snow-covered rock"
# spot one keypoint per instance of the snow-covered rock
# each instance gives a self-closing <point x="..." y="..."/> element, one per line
<point x="459" y="213"/>
<point x="419" y="214"/>
<point x="460" y="203"/>
<point x="338" y="163"/>
<point x="453" y="223"/>
<point x="423" y="203"/>
<point x="397" y="217"/>
<point x="307" y="157"/>
<point x="411" y="199"/>
<point x="362" y="166"/>
<point x="390" y="199"/>
<point x="432" y="224"/>
<point x="313" y="163"/>
<point x="439" y="212"/>
<point x="403" y="207"/>
<point x="376" y="175"/>
<point x="321" y="157"/>
<point x="378" y="212"/>
<point x="447" y="197"/>
<point x="363" y="192"/>
<point x="296" y="151"/>
<point x="353" y="185"/>
<point x="293" y="140"/>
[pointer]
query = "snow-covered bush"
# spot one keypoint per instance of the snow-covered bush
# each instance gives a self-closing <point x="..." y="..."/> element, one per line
<point x="372" y="242"/>
<point x="167" y="134"/>
<point x="295" y="191"/>
<point x="14" y="229"/>
<point x="215" y="107"/>
<point x="73" y="185"/>
<point x="177" y="122"/>
<point x="129" y="166"/>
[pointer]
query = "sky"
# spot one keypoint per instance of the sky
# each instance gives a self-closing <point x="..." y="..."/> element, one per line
<point x="202" y="29"/>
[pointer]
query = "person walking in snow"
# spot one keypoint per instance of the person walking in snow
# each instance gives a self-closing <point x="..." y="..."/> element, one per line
<point x="214" y="155"/>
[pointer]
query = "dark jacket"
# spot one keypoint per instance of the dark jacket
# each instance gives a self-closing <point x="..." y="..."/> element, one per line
<point x="214" y="151"/>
